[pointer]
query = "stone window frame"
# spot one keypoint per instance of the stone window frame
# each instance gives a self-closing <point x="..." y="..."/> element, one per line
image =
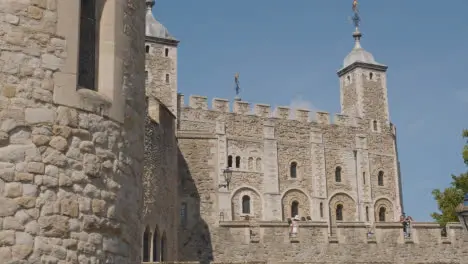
<point x="249" y="205"/>
<point x="384" y="213"/>
<point x="297" y="170"/>
<point x="373" y="123"/>
<point x="341" y="174"/>
<point x="381" y="178"/>
<point x="388" y="205"/>
<point x="249" y="193"/>
<point x="108" y="99"/>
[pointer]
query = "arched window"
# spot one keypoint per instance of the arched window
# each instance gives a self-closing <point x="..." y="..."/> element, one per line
<point x="146" y="245"/>
<point x="251" y="160"/>
<point x="380" y="178"/>
<point x="163" y="248"/>
<point x="375" y="125"/>
<point x="382" y="212"/>
<point x="338" y="174"/>
<point x="155" y="246"/>
<point x="166" y="52"/>
<point x="293" y="170"/>
<point x="371" y="75"/>
<point x="321" y="210"/>
<point x="294" y="208"/>
<point x="237" y="162"/>
<point x="367" y="213"/>
<point x="147" y="48"/>
<point x="339" y="212"/>
<point x="88" y="46"/>
<point x="229" y="161"/>
<point x="246" y="204"/>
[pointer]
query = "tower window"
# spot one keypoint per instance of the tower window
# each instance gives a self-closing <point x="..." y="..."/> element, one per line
<point x="380" y="180"/>
<point x="293" y="170"/>
<point x="321" y="210"/>
<point x="167" y="78"/>
<point x="349" y="78"/>
<point x="371" y="75"/>
<point x="374" y="124"/>
<point x="367" y="213"/>
<point x="338" y="174"/>
<point x="364" y="178"/>
<point x="147" y="48"/>
<point x="294" y="208"/>
<point x="339" y="212"/>
<point x="88" y="45"/>
<point x="382" y="212"/>
<point x="166" y="52"/>
<point x="238" y="160"/>
<point x="146" y="75"/>
<point x="246" y="204"/>
<point x="229" y="161"/>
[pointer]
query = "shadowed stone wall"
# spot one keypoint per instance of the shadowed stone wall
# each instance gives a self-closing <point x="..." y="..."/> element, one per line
<point x="71" y="159"/>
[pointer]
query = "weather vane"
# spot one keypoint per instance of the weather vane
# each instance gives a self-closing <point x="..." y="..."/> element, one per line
<point x="356" y="19"/>
<point x="236" y="80"/>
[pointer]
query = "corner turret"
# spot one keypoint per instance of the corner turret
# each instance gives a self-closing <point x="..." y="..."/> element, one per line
<point x="161" y="61"/>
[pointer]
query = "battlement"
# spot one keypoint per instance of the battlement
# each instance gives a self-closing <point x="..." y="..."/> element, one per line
<point x="265" y="110"/>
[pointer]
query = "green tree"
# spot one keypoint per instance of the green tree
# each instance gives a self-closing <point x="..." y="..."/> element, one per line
<point x="452" y="196"/>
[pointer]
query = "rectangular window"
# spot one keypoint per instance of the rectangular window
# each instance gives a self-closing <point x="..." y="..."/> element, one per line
<point x="87" y="61"/>
<point x="167" y="78"/>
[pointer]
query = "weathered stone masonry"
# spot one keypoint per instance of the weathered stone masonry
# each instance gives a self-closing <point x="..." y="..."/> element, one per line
<point x="70" y="159"/>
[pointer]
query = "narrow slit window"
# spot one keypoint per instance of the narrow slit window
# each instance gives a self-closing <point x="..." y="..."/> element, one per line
<point x="147" y="48"/>
<point x="380" y="178"/>
<point x="238" y="161"/>
<point x="367" y="214"/>
<point x="167" y="78"/>
<point x="321" y="210"/>
<point x="338" y="174"/>
<point x="166" y="52"/>
<point x="229" y="161"/>
<point x="375" y="125"/>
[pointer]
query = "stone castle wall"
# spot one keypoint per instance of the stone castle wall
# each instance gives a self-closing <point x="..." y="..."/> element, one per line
<point x="70" y="159"/>
<point x="160" y="181"/>
<point x="267" y="146"/>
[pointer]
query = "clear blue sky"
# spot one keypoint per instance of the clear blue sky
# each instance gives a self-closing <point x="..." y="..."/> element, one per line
<point x="289" y="50"/>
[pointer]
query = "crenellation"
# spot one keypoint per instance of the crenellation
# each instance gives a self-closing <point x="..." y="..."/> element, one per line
<point x="263" y="110"/>
<point x="282" y="112"/>
<point x="323" y="118"/>
<point x="241" y="107"/>
<point x="198" y="102"/>
<point x="221" y="105"/>
<point x="302" y="115"/>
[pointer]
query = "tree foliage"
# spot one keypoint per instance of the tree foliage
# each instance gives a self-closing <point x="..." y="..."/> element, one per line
<point x="451" y="197"/>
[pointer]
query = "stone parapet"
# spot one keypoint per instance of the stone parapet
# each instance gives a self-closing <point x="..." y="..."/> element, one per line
<point x="265" y="111"/>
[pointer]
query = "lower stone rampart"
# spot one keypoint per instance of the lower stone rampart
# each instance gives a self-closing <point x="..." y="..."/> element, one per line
<point x="316" y="242"/>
